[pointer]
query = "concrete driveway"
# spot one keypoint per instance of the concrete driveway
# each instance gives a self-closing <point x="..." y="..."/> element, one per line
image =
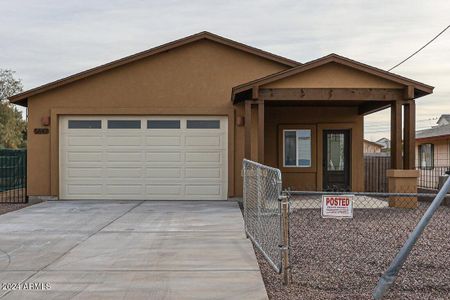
<point x="127" y="250"/>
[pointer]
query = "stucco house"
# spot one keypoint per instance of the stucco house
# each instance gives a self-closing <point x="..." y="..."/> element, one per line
<point x="175" y="122"/>
<point x="433" y="145"/>
<point x="386" y="144"/>
<point x="371" y="147"/>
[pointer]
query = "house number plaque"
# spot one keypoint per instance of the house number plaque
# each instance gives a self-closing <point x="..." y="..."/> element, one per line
<point x="41" y="131"/>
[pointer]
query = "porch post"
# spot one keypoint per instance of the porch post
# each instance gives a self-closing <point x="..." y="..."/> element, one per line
<point x="402" y="181"/>
<point x="261" y="131"/>
<point x="396" y="135"/>
<point x="248" y="129"/>
<point x="409" y="135"/>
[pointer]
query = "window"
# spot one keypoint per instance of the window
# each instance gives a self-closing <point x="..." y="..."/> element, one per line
<point x="124" y="124"/>
<point x="85" y="124"/>
<point x="163" y="124"/>
<point x="335" y="151"/>
<point x="203" y="124"/>
<point x="297" y="148"/>
<point x="426" y="156"/>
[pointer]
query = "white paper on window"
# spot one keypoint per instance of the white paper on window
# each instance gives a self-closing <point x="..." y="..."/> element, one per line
<point x="304" y="148"/>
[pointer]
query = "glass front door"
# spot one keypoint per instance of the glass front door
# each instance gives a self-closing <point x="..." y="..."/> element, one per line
<point x="336" y="160"/>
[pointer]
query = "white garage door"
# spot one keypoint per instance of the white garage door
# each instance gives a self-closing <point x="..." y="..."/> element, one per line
<point x="179" y="158"/>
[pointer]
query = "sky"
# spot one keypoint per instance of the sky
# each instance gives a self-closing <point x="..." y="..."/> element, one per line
<point x="46" y="40"/>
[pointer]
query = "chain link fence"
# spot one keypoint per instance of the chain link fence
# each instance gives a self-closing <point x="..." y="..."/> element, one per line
<point x="343" y="257"/>
<point x="334" y="258"/>
<point x="262" y="190"/>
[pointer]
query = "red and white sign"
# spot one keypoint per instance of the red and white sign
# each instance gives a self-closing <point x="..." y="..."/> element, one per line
<point x="337" y="206"/>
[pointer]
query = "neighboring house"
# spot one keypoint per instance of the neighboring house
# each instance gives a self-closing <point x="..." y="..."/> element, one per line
<point x="443" y="120"/>
<point x="175" y="122"/>
<point x="371" y="147"/>
<point x="386" y="144"/>
<point x="433" y="145"/>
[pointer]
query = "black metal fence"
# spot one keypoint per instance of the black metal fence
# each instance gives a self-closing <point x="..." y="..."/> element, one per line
<point x="429" y="177"/>
<point x="375" y="173"/>
<point x="343" y="258"/>
<point x="13" y="176"/>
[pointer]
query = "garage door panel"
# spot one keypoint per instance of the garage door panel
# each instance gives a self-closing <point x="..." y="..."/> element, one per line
<point x="163" y="172"/>
<point x="164" y="190"/>
<point x="203" y="141"/>
<point x="146" y="163"/>
<point x="84" y="189"/>
<point x="84" y="156"/>
<point x="124" y="172"/>
<point x="161" y="141"/>
<point x="162" y="157"/>
<point x="84" y="141"/>
<point x="203" y="173"/>
<point x="124" y="156"/>
<point x="124" y="189"/>
<point x="81" y="133"/>
<point x="86" y="172"/>
<point x="204" y="157"/>
<point x="202" y="190"/>
<point x="123" y="141"/>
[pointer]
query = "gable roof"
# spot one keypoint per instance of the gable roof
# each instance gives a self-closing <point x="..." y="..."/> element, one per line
<point x="373" y="143"/>
<point x="445" y="117"/>
<point x="383" y="139"/>
<point x="420" y="89"/>
<point x="21" y="98"/>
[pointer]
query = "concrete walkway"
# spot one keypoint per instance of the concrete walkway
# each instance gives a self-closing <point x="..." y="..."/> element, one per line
<point x="128" y="250"/>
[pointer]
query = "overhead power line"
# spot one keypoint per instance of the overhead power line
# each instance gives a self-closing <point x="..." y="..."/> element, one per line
<point x="386" y="124"/>
<point x="420" y="49"/>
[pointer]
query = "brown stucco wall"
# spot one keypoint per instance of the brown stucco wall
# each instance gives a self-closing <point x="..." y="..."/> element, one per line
<point x="333" y="75"/>
<point x="195" y="79"/>
<point x="317" y="118"/>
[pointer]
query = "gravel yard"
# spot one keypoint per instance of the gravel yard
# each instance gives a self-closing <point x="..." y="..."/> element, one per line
<point x="7" y="207"/>
<point x="343" y="259"/>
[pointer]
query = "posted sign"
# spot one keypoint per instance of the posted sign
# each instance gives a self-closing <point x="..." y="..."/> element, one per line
<point x="337" y="206"/>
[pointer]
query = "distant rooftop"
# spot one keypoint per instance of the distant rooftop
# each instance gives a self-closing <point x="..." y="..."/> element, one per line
<point x="441" y="129"/>
<point x="433" y="131"/>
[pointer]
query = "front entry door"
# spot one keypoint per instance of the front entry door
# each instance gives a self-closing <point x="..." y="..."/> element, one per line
<point x="336" y="160"/>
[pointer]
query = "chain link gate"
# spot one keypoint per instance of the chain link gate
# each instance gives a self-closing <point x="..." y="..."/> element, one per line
<point x="264" y="208"/>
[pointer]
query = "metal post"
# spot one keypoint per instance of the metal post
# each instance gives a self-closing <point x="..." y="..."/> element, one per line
<point x="388" y="278"/>
<point x="244" y="195"/>
<point x="284" y="245"/>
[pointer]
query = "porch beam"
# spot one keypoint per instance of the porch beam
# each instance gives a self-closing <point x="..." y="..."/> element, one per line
<point x="396" y="135"/>
<point x="261" y="132"/>
<point x="371" y="107"/>
<point x="409" y="92"/>
<point x="409" y="135"/>
<point x="344" y="94"/>
<point x="248" y="129"/>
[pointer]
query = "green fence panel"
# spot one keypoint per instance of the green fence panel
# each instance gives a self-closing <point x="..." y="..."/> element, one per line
<point x="13" y="169"/>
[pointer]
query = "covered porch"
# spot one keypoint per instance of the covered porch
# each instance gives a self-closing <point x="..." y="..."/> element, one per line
<point x="308" y="121"/>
